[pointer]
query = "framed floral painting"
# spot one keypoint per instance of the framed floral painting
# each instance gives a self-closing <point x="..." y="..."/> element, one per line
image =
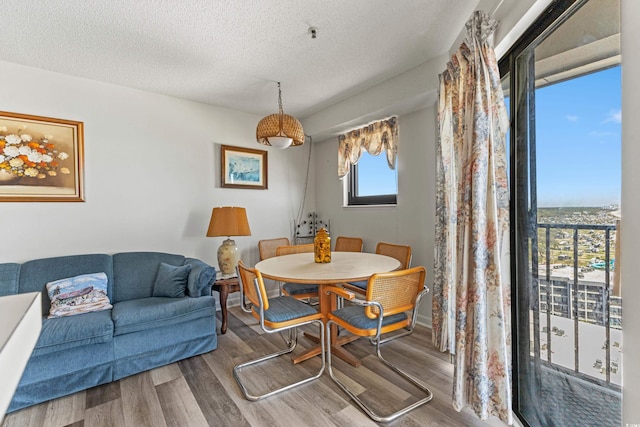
<point x="41" y="159"/>
<point x="243" y="167"/>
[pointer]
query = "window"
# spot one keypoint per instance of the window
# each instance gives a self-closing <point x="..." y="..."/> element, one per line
<point x="365" y="155"/>
<point x="372" y="182"/>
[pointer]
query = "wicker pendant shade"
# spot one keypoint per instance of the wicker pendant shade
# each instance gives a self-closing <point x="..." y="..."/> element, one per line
<point x="280" y="130"/>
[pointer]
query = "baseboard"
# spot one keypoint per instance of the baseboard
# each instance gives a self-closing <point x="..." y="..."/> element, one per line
<point x="424" y="321"/>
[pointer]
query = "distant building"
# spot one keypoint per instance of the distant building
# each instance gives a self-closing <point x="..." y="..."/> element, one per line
<point x="590" y="301"/>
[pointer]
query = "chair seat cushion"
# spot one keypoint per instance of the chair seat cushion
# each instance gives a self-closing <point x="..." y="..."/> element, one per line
<point x="157" y="312"/>
<point x="62" y="333"/>
<point x="362" y="284"/>
<point x="299" y="289"/>
<point x="355" y="316"/>
<point x="282" y="309"/>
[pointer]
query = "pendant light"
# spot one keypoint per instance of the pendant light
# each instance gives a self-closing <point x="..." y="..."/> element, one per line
<point x="280" y="130"/>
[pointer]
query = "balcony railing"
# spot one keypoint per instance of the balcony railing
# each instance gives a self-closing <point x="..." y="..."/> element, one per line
<point x="575" y="298"/>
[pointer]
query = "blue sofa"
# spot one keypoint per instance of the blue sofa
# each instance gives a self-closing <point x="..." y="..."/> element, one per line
<point x="139" y="333"/>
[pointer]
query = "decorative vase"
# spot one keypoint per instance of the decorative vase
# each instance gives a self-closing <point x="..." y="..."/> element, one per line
<point x="228" y="255"/>
<point x="322" y="247"/>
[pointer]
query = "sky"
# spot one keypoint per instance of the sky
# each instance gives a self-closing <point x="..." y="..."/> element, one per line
<point x="379" y="178"/>
<point x="579" y="141"/>
<point x="578" y="144"/>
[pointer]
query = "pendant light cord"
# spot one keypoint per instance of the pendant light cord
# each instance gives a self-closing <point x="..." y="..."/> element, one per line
<point x="280" y="110"/>
<point x="304" y="193"/>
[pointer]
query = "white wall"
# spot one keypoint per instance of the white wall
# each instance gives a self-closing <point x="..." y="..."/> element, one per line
<point x="411" y="221"/>
<point x="152" y="173"/>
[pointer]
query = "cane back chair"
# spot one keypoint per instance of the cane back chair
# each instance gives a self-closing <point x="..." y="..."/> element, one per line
<point x="400" y="252"/>
<point x="348" y="244"/>
<point x="280" y="314"/>
<point x="298" y="291"/>
<point x="389" y="296"/>
<point x="268" y="247"/>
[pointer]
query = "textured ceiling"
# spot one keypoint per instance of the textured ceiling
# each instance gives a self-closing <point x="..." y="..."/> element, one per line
<point x="230" y="53"/>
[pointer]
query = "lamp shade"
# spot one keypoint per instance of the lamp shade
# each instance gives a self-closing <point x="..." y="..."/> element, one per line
<point x="280" y="131"/>
<point x="228" y="221"/>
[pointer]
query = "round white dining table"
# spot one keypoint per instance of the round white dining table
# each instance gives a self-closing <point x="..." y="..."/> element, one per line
<point x="344" y="267"/>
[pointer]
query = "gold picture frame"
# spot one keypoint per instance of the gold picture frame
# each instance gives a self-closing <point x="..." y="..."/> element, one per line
<point x="243" y="168"/>
<point x="41" y="159"/>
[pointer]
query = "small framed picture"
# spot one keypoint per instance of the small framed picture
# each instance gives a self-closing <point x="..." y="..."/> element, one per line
<point x="41" y="159"/>
<point x="243" y="168"/>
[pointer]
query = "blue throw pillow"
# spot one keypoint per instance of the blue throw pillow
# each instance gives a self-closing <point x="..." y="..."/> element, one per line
<point x="171" y="280"/>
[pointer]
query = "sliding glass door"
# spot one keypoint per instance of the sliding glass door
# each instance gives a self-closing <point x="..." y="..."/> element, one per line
<point x="564" y="93"/>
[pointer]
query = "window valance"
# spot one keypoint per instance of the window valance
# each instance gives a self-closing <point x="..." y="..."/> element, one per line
<point x="375" y="138"/>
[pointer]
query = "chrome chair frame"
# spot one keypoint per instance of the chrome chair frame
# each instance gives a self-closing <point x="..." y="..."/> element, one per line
<point x="291" y="342"/>
<point x="377" y="342"/>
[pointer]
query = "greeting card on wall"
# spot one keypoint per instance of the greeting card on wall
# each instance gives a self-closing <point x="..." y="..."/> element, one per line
<point x="41" y="159"/>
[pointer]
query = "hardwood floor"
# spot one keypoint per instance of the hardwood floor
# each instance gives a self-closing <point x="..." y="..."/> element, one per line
<point x="201" y="391"/>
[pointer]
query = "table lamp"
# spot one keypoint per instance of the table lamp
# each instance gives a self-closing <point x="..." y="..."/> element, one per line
<point x="228" y="221"/>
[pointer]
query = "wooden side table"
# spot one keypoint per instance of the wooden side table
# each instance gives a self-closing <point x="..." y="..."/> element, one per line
<point x="225" y="287"/>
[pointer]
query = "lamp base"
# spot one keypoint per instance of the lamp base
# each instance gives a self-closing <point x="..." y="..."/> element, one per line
<point x="228" y="257"/>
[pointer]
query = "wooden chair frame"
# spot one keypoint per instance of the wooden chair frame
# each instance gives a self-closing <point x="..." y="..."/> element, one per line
<point x="252" y="285"/>
<point x="375" y="309"/>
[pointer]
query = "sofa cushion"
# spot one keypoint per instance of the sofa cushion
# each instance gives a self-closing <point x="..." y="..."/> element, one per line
<point x="171" y="280"/>
<point x="68" y="332"/>
<point x="135" y="273"/>
<point x="157" y="312"/>
<point x="78" y="295"/>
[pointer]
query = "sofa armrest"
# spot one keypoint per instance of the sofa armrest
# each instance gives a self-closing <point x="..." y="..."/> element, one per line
<point x="200" y="278"/>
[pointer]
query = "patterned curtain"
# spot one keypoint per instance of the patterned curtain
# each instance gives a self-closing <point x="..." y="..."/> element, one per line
<point x="374" y="138"/>
<point x="471" y="301"/>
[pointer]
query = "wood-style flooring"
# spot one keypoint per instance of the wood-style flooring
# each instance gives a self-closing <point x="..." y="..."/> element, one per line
<point x="201" y="391"/>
